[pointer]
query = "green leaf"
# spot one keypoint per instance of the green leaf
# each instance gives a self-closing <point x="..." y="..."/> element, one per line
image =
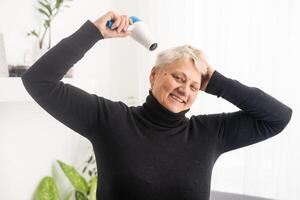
<point x="84" y="169"/>
<point x="69" y="195"/>
<point x="47" y="6"/>
<point x="74" y="177"/>
<point x="80" y="196"/>
<point x="34" y="33"/>
<point x="58" y="3"/>
<point x="46" y="2"/>
<point x="45" y="26"/>
<point x="47" y="23"/>
<point x="93" y="188"/>
<point x="43" y="12"/>
<point x="47" y="189"/>
<point x="90" y="159"/>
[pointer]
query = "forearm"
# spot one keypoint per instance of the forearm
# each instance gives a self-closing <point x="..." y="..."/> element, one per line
<point x="254" y="101"/>
<point x="72" y="106"/>
<point x="52" y="66"/>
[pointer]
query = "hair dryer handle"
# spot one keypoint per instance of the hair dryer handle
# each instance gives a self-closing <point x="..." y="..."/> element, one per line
<point x="134" y="19"/>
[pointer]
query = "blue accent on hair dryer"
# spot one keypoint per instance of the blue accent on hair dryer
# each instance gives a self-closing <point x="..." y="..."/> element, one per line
<point x="133" y="18"/>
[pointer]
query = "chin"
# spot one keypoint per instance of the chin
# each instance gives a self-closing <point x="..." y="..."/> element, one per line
<point x="177" y="111"/>
<point x="174" y="109"/>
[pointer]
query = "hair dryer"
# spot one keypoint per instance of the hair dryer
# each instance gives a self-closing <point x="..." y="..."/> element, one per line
<point x="140" y="33"/>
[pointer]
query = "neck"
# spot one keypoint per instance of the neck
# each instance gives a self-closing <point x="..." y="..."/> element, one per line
<point x="160" y="115"/>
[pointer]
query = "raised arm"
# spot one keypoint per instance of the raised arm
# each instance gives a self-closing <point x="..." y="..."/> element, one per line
<point x="72" y="106"/>
<point x="261" y="115"/>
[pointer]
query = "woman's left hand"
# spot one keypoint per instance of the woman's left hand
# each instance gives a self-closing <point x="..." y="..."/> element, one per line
<point x="206" y="78"/>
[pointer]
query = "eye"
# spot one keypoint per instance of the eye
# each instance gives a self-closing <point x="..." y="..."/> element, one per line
<point x="177" y="78"/>
<point x="195" y="89"/>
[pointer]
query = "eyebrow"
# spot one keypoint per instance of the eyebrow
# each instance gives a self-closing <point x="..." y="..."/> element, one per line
<point x="182" y="73"/>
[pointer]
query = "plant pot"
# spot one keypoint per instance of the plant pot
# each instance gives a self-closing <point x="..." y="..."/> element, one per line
<point x="17" y="70"/>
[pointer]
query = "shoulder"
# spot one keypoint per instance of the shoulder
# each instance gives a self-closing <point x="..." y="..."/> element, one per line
<point x="110" y="109"/>
<point x="211" y="122"/>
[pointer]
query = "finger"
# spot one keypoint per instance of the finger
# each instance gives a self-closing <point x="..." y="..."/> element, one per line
<point x="110" y="16"/>
<point x="121" y="25"/>
<point x="124" y="34"/>
<point x="117" y="21"/>
<point x="126" y="24"/>
<point x="130" y="21"/>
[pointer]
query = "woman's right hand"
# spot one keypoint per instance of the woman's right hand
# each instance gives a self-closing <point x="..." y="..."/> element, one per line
<point x="119" y="27"/>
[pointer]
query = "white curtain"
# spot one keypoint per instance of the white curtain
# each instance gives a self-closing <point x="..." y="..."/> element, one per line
<point x="253" y="41"/>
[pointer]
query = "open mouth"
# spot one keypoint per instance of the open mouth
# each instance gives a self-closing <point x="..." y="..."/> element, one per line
<point x="176" y="98"/>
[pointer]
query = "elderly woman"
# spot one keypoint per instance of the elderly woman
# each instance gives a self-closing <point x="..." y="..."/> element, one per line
<point x="153" y="151"/>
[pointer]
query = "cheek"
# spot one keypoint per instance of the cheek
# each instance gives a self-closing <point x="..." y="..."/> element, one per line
<point x="170" y="85"/>
<point x="161" y="90"/>
<point x="166" y="86"/>
<point x="192" y="98"/>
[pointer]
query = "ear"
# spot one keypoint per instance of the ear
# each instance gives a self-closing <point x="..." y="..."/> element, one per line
<point x="153" y="75"/>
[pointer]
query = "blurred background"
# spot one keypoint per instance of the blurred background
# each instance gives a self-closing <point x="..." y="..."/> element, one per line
<point x="256" y="42"/>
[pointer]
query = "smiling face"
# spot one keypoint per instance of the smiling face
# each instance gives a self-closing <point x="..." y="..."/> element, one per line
<point x="176" y="85"/>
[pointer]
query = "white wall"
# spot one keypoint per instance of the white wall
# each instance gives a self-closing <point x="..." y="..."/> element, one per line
<point x="17" y="18"/>
<point x="31" y="140"/>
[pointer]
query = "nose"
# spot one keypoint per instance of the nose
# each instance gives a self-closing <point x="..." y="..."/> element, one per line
<point x="183" y="90"/>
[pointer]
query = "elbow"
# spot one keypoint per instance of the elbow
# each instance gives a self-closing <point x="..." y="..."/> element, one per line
<point x="26" y="81"/>
<point x="36" y="86"/>
<point x="31" y="86"/>
<point x="25" y="77"/>
<point x="285" y="119"/>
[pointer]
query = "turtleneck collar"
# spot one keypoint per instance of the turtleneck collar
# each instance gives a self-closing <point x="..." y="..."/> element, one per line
<point x="160" y="115"/>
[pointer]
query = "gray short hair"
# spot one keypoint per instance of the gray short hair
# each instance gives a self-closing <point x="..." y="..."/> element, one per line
<point x="168" y="56"/>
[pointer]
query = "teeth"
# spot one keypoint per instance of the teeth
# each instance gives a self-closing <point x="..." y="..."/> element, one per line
<point x="177" y="98"/>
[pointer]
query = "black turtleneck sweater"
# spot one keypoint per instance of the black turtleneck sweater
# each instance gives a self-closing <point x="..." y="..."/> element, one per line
<point x="148" y="152"/>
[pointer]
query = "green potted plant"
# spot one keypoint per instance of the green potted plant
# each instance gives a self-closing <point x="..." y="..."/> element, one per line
<point x="83" y="189"/>
<point x="48" y="10"/>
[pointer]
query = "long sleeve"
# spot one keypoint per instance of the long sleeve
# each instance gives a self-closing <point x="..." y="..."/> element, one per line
<point x="72" y="106"/>
<point x="261" y="115"/>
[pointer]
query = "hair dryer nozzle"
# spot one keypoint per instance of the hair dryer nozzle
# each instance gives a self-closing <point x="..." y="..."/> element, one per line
<point x="141" y="33"/>
<point x="153" y="46"/>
